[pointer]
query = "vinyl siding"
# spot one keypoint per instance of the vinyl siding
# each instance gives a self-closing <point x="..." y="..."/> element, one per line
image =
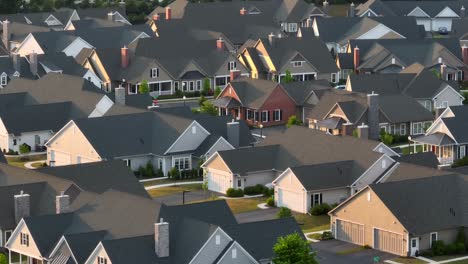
<point x="189" y="140"/>
<point x="210" y="252"/>
<point x="241" y="256"/>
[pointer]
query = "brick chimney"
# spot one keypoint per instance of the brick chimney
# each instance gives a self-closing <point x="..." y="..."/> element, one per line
<point x="16" y="59"/>
<point x="22" y="206"/>
<point x="234" y="74"/>
<point x="373" y="115"/>
<point x="168" y="13"/>
<point x="357" y="59"/>
<point x="33" y="63"/>
<point x="161" y="238"/>
<point x="220" y="43"/>
<point x="352" y="10"/>
<point x="6" y="34"/>
<point x="62" y="203"/>
<point x="110" y="16"/>
<point x="271" y="39"/>
<point x="363" y="131"/>
<point x="243" y="11"/>
<point x="347" y="129"/>
<point x="465" y="54"/>
<point x="120" y="95"/>
<point x="125" y="57"/>
<point x="156" y="17"/>
<point x="442" y="71"/>
<point x="325" y="6"/>
<point x="233" y="133"/>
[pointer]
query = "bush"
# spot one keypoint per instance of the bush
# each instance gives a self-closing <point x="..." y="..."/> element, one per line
<point x="461" y="238"/>
<point x="461" y="162"/>
<point x="254" y="190"/>
<point x="24" y="148"/>
<point x="284" y="212"/>
<point x="159" y="173"/>
<point x="268" y="191"/>
<point x="217" y="91"/>
<point x="387" y="139"/>
<point x="327" y="235"/>
<point x="174" y="173"/>
<point x="320" y="209"/>
<point x="3" y="259"/>
<point x="460" y="248"/>
<point x="12" y="152"/>
<point x="231" y="192"/>
<point x="293" y="121"/>
<point x="149" y="170"/>
<point x="270" y="201"/>
<point x="438" y="248"/>
<point x="451" y="249"/>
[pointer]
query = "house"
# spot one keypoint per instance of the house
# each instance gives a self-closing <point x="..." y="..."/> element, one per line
<point x="341" y="112"/>
<point x="165" y="137"/>
<point x="304" y="58"/>
<point x="415" y="81"/>
<point x="446" y="137"/>
<point x="34" y="110"/>
<point x="393" y="216"/>
<point x="14" y="67"/>
<point x="169" y="66"/>
<point x="42" y="185"/>
<point x="394" y="55"/>
<point x="296" y="146"/>
<point x="238" y="21"/>
<point x="337" y="31"/>
<point x="432" y="15"/>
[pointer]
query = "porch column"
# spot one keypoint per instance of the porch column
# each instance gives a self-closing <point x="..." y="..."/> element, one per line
<point x="414" y="147"/>
<point x="9" y="256"/>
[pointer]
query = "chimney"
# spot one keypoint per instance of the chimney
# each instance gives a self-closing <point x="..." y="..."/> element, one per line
<point x="168" y="13"/>
<point x="271" y="39"/>
<point x="161" y="239"/>
<point x="462" y="12"/>
<point x="120" y="95"/>
<point x="125" y="57"/>
<point x="22" y="206"/>
<point x="220" y="43"/>
<point x="62" y="203"/>
<point x="233" y="133"/>
<point x="325" y="6"/>
<point x="156" y="17"/>
<point x="16" y="62"/>
<point x="363" y="131"/>
<point x="373" y="115"/>
<point x="442" y="71"/>
<point x="243" y="11"/>
<point x="33" y="63"/>
<point x="352" y="10"/>
<point x="110" y="16"/>
<point x="6" y="34"/>
<point x="234" y="74"/>
<point x="357" y="59"/>
<point x="465" y="54"/>
<point x="347" y="129"/>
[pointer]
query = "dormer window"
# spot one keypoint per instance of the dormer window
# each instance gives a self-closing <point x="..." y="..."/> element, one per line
<point x="292" y="27"/>
<point x="24" y="239"/>
<point x="297" y="64"/>
<point x="154" y="73"/>
<point x="232" y="66"/>
<point x="101" y="260"/>
<point x="393" y="61"/>
<point x="3" y="80"/>
<point x="440" y="60"/>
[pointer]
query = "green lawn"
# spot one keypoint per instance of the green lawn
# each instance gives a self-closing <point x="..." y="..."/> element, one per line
<point x="20" y="161"/>
<point x="460" y="262"/>
<point x="39" y="164"/>
<point x="165" y="181"/>
<point x="311" y="223"/>
<point x="404" y="260"/>
<point x="446" y="257"/>
<point x="245" y="205"/>
<point x="164" y="191"/>
<point x="315" y="236"/>
<point x="405" y="150"/>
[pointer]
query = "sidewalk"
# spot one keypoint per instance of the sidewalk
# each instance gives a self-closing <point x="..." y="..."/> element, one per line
<point x="28" y="165"/>
<point x="172" y="184"/>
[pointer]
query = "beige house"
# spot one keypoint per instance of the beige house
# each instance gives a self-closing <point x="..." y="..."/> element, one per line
<point x="403" y="217"/>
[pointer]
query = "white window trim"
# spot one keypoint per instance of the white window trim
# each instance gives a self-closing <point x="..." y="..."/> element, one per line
<point x="232" y="66"/>
<point x="430" y="238"/>
<point x="460" y="152"/>
<point x="181" y="161"/>
<point x="248" y="112"/>
<point x="279" y="114"/>
<point x="154" y="73"/>
<point x="313" y="199"/>
<point x="402" y="128"/>
<point x="3" y="80"/>
<point x="297" y="64"/>
<point x="267" y="116"/>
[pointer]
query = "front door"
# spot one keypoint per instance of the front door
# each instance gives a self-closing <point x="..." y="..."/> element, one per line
<point x="414" y="246"/>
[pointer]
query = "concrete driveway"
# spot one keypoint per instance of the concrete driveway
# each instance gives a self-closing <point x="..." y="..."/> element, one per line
<point x="328" y="253"/>
<point x="192" y="196"/>
<point x="257" y="215"/>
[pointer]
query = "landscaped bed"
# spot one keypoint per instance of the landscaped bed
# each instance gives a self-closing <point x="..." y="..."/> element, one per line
<point x="19" y="161"/>
<point x="166" y="181"/>
<point x="311" y="223"/>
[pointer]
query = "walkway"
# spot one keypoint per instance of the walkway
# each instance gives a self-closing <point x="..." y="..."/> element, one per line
<point x="28" y="165"/>
<point x="172" y="184"/>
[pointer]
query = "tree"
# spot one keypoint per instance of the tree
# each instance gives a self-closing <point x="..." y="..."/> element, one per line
<point x="143" y="88"/>
<point x="284" y="212"/>
<point x="206" y="87"/>
<point x="209" y="108"/>
<point x="3" y="259"/>
<point x="293" y="249"/>
<point x="201" y="100"/>
<point x="217" y="91"/>
<point x="24" y="148"/>
<point x="288" y="78"/>
<point x="293" y="121"/>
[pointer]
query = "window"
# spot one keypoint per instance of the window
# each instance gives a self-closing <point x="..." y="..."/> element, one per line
<point x="3" y="80"/>
<point x="198" y="85"/>
<point x="24" y="239"/>
<point x="402" y="129"/>
<point x="191" y="85"/>
<point x="292" y="27"/>
<point x="160" y="164"/>
<point x="265" y="117"/>
<point x="316" y="199"/>
<point x="392" y="129"/>
<point x="433" y="238"/>
<point x="128" y="162"/>
<point x="218" y="239"/>
<point x="333" y="78"/>
<point x="101" y="260"/>
<point x="184" y="86"/>
<point x="278" y="115"/>
<point x="462" y="152"/>
<point x="239" y="183"/>
<point x="176" y="86"/>
<point x="133" y="89"/>
<point x="420" y="127"/>
<point x="194" y="130"/>
<point x="256" y="115"/>
<point x="182" y="163"/>
<point x="154" y="73"/>
<point x="444" y="104"/>
<point x="14" y="142"/>
<point x="297" y="64"/>
<point x="249" y="114"/>
<point x="232" y="66"/>
<point x="234" y="253"/>
<point x="8" y="235"/>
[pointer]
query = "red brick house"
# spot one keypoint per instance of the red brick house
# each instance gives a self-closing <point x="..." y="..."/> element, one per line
<point x="256" y="101"/>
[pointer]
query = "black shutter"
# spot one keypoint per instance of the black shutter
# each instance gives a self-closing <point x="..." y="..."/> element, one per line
<point x="320" y="198"/>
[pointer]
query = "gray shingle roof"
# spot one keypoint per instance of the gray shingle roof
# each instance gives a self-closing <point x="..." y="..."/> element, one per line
<point x="403" y="8"/>
<point x="301" y="91"/>
<point x="83" y="244"/>
<point x="456" y="125"/>
<point x="253" y="92"/>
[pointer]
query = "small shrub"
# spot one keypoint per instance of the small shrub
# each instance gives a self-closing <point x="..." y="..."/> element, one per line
<point x="270" y="201"/>
<point x="320" y="209"/>
<point x="231" y="192"/>
<point x="438" y="248"/>
<point x="174" y="173"/>
<point x="293" y="121"/>
<point x="149" y="170"/>
<point x="461" y="238"/>
<point x="254" y="190"/>
<point x="451" y="249"/>
<point x="460" y="248"/>
<point x="141" y="171"/>
<point x="24" y="148"/>
<point x="3" y="259"/>
<point x="268" y="191"/>
<point x="387" y="139"/>
<point x="12" y="152"/>
<point x="327" y="235"/>
<point x="159" y="173"/>
<point x="217" y="91"/>
<point x="461" y="162"/>
<point x="284" y="212"/>
<point x="366" y="247"/>
<point x="201" y="100"/>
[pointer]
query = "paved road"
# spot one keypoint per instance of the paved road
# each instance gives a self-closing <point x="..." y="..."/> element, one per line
<point x="327" y="253"/>
<point x="192" y="196"/>
<point x="258" y="215"/>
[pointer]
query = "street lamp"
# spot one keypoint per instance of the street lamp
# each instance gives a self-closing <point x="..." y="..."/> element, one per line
<point x="184" y="98"/>
<point x="261" y="130"/>
<point x="409" y="144"/>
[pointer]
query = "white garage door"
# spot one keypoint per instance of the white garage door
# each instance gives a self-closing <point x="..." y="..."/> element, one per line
<point x="218" y="182"/>
<point x="424" y="22"/>
<point x="292" y="200"/>
<point x="442" y="22"/>
<point x="389" y="242"/>
<point x="350" y="232"/>
<point x="60" y="158"/>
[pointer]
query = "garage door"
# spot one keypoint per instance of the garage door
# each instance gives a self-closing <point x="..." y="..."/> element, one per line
<point x="424" y="22"/>
<point x="388" y="242"/>
<point x="218" y="182"/>
<point x="60" y="158"/>
<point x="292" y="200"/>
<point x="350" y="232"/>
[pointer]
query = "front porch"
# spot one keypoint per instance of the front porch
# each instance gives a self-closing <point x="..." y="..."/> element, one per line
<point x="442" y="145"/>
<point x="18" y="258"/>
